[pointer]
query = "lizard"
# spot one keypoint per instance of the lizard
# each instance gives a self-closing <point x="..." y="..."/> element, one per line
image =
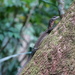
<point x="42" y="36"/>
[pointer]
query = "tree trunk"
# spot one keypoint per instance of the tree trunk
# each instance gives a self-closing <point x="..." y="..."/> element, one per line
<point x="56" y="55"/>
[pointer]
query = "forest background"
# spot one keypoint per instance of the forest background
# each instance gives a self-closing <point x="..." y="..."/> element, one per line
<point x="21" y="22"/>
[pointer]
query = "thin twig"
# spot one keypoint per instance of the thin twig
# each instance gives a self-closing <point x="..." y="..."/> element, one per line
<point x="5" y="45"/>
<point x="28" y="18"/>
<point x="13" y="56"/>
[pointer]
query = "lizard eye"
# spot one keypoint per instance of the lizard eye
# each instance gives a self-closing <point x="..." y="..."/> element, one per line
<point x="55" y="17"/>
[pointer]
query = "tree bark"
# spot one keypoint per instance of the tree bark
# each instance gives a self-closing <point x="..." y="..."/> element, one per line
<point x="56" y="55"/>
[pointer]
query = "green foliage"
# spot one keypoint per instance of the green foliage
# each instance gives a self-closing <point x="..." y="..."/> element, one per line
<point x="11" y="3"/>
<point x="13" y="15"/>
<point x="67" y="3"/>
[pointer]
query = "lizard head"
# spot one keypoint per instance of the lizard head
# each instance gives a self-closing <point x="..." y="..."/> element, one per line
<point x="51" y="21"/>
<point x="55" y="17"/>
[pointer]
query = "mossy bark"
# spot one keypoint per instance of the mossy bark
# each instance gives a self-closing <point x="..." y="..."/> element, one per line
<point x="56" y="55"/>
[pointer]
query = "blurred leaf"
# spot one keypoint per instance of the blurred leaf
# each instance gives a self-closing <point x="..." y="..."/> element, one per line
<point x="46" y="1"/>
<point x="10" y="34"/>
<point x="51" y="2"/>
<point x="11" y="3"/>
<point x="16" y="35"/>
<point x="12" y="66"/>
<point x="13" y="30"/>
<point x="1" y="37"/>
<point x="28" y="1"/>
<point x="29" y="31"/>
<point x="67" y="3"/>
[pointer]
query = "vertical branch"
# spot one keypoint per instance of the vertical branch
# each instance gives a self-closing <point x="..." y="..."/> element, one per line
<point x="61" y="9"/>
<point x="27" y="20"/>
